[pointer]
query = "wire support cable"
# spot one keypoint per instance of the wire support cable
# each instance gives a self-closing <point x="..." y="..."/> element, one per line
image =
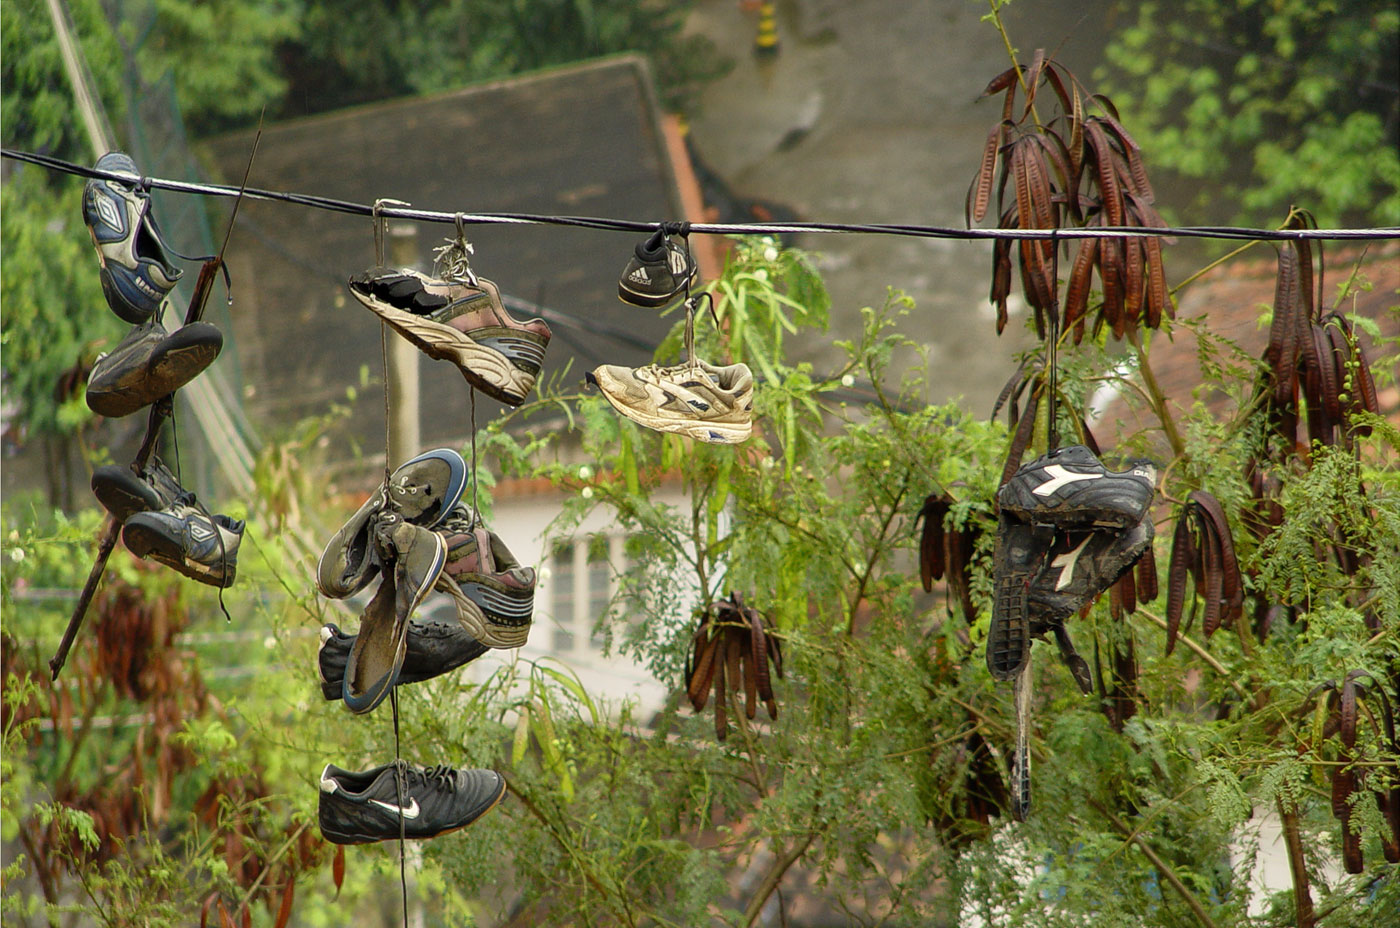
<point x="713" y="228"/>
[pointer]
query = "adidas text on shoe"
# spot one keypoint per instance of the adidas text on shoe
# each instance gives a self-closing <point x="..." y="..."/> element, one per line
<point x="698" y="400"/>
<point x="381" y="803"/>
<point x="148" y="364"/>
<point x="136" y="271"/>
<point x="463" y="323"/>
<point x="660" y="270"/>
<point x="1071" y="488"/>
<point x="184" y="537"/>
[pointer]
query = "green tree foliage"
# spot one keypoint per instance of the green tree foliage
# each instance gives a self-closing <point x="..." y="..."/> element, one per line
<point x="1273" y="103"/>
<point x="872" y="792"/>
<point x="354" y="52"/>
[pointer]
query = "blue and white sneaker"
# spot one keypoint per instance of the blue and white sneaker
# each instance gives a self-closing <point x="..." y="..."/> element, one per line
<point x="187" y="538"/>
<point x="136" y="270"/>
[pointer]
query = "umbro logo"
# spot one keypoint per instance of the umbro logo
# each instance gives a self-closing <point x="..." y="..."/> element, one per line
<point x="410" y="812"/>
<point x="1060" y="477"/>
<point x="200" y="533"/>
<point x="107" y="212"/>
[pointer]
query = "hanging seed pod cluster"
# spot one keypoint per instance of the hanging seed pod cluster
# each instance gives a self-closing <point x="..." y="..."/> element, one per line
<point x="1076" y="168"/>
<point x="730" y="651"/>
<point x="1203" y="552"/>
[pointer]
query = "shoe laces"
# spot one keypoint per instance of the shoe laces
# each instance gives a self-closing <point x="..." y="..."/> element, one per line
<point x="452" y="261"/>
<point x="438" y="776"/>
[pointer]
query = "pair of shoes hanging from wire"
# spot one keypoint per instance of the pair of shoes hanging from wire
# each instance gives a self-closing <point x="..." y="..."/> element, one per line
<point x="161" y="520"/>
<point x="707" y="402"/>
<point x="454" y="315"/>
<point x="421" y="538"/>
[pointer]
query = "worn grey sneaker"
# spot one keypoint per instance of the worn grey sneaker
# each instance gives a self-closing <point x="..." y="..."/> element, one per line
<point x="422" y="491"/>
<point x="382" y="803"/>
<point x="150" y="363"/>
<point x="417" y="556"/>
<point x="185" y="537"/>
<point x="695" y="399"/>
<point x="136" y="270"/>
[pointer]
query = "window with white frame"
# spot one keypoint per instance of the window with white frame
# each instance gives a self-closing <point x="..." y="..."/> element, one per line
<point x="582" y="579"/>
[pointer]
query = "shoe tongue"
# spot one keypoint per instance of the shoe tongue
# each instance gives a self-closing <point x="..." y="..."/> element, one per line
<point x="486" y="557"/>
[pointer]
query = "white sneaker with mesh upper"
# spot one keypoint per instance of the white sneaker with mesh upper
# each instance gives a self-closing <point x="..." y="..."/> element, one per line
<point x="696" y="399"/>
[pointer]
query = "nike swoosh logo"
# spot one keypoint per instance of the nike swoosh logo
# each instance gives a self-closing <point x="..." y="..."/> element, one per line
<point x="1059" y="477"/>
<point x="410" y="812"/>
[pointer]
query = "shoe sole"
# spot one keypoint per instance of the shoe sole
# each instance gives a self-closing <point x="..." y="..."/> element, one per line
<point x="146" y="544"/>
<point x="474" y="620"/>
<point x="484" y="368"/>
<point x="123" y="494"/>
<point x="337" y="837"/>
<point x="645" y="300"/>
<point x="718" y="433"/>
<point x="180" y="360"/>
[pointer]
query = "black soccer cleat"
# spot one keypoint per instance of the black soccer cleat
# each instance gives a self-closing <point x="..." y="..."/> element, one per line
<point x="1080" y="566"/>
<point x="433" y="648"/>
<point x="381" y="803"/>
<point x="1070" y="488"/>
<point x="659" y="271"/>
<point x="1020" y="552"/>
<point x="123" y="493"/>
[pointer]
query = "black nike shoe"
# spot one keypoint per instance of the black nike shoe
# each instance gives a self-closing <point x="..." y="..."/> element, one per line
<point x="150" y="363"/>
<point x="1020" y="552"/>
<point x="124" y="494"/>
<point x="358" y="808"/>
<point x="187" y="538"/>
<point x="1071" y="488"/>
<point x="659" y="271"/>
<point x="1079" y="567"/>
<point x="433" y="648"/>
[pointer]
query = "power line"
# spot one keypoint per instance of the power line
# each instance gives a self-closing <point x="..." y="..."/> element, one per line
<point x="715" y="228"/>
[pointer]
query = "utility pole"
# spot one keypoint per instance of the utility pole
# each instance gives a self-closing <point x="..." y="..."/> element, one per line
<point x="402" y="376"/>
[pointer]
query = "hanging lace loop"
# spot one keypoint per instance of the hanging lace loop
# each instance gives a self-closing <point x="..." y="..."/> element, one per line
<point x="452" y="261"/>
<point x="381" y="225"/>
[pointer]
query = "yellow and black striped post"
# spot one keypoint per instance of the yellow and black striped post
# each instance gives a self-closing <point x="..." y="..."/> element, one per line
<point x="766" y="42"/>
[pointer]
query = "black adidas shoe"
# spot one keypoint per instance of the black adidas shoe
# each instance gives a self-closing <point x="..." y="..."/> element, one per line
<point x="1071" y="488"/>
<point x="188" y="539"/>
<point x="150" y="363"/>
<point x="1079" y="567"/>
<point x="123" y="493"/>
<point x="1020" y="552"/>
<point x="432" y="649"/>
<point x="358" y="808"/>
<point x="660" y="270"/>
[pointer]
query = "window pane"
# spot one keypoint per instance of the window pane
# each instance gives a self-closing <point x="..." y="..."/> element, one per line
<point x="599" y="593"/>
<point x="561" y="596"/>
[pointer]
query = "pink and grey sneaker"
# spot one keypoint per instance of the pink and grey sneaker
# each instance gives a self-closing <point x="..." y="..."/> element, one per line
<point x="462" y="322"/>
<point x="495" y="595"/>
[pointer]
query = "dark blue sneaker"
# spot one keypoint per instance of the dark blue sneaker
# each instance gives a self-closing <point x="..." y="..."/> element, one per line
<point x="432" y="649"/>
<point x="188" y="539"/>
<point x="136" y="270"/>
<point x="148" y="364"/>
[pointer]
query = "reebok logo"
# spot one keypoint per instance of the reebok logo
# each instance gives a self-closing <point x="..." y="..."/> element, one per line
<point x="1065" y="562"/>
<point x="1060" y="477"/>
<point x="410" y="812"/>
